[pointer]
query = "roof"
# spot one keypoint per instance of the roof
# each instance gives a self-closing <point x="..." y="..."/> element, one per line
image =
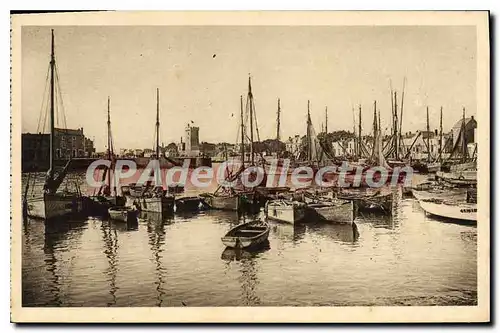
<point x="458" y="124"/>
<point x="68" y="131"/>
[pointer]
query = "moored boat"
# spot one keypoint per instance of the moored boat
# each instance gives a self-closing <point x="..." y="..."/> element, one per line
<point x="430" y="189"/>
<point x="123" y="214"/>
<point x="156" y="204"/>
<point x="459" y="178"/>
<point x="337" y="211"/>
<point x="457" y="211"/>
<point x="187" y="204"/>
<point x="51" y="206"/>
<point x="285" y="210"/>
<point x="364" y="201"/>
<point x="53" y="203"/>
<point x="247" y="235"/>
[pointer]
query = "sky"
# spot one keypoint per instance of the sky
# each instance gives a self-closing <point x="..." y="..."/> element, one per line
<point x="201" y="71"/>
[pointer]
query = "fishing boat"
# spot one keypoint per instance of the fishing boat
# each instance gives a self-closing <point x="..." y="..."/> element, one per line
<point x="247" y="235"/>
<point x="106" y="197"/>
<point x="431" y="164"/>
<point x="430" y="189"/>
<point x="337" y="211"/>
<point x="239" y="197"/>
<point x="52" y="203"/>
<point x="463" y="173"/>
<point x="228" y="199"/>
<point x="187" y="204"/>
<point x="285" y="210"/>
<point x="457" y="211"/>
<point x="366" y="201"/>
<point x="153" y="198"/>
<point x="123" y="214"/>
<point x="459" y="178"/>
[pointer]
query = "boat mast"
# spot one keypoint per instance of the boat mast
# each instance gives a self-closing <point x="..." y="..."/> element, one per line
<point x="395" y="120"/>
<point x="428" y="138"/>
<point x="52" y="67"/>
<point x="250" y="101"/>
<point x="375" y="133"/>
<point x="242" y="134"/>
<point x="109" y="133"/>
<point x="326" y="119"/>
<point x="158" y="123"/>
<point x="464" y="139"/>
<point x="441" y="136"/>
<point x="359" y="130"/>
<point x="308" y="134"/>
<point x="109" y="146"/>
<point x="401" y="117"/>
<point x="278" y="122"/>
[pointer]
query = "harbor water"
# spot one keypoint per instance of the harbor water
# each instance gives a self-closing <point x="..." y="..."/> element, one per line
<point x="404" y="259"/>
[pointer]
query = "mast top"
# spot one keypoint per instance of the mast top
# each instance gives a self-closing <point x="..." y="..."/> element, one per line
<point x="109" y="118"/>
<point x="249" y="85"/>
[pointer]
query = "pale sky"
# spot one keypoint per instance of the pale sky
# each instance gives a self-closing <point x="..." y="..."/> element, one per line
<point x="201" y="72"/>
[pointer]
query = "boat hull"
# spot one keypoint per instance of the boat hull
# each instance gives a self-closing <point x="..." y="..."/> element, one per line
<point x="460" y="178"/>
<point x="122" y="214"/>
<point x="224" y="202"/>
<point x="187" y="204"/>
<point x="465" y="212"/>
<point x="51" y="206"/>
<point x="239" y="238"/>
<point x="335" y="213"/>
<point x="155" y="204"/>
<point x="292" y="213"/>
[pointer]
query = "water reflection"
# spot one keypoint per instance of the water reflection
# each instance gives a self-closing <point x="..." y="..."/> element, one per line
<point x="110" y="238"/>
<point x="378" y="221"/>
<point x="230" y="254"/>
<point x="156" y="239"/>
<point x="222" y="216"/>
<point x="57" y="232"/>
<point x="248" y="269"/>
<point x="341" y="233"/>
<point x="419" y="254"/>
<point x="285" y="231"/>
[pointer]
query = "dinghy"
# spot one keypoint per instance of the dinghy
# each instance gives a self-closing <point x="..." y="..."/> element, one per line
<point x="124" y="214"/>
<point x="247" y="235"/>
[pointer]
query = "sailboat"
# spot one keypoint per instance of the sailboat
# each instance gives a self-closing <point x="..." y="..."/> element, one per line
<point x="429" y="165"/>
<point x="154" y="198"/>
<point x="52" y="204"/>
<point x="463" y="173"/>
<point x="227" y="197"/>
<point x="434" y="166"/>
<point x="106" y="197"/>
<point x="239" y="197"/>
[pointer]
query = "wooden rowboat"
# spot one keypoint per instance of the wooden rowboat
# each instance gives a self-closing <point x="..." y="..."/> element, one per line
<point x="247" y="235"/>
<point x="124" y="214"/>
